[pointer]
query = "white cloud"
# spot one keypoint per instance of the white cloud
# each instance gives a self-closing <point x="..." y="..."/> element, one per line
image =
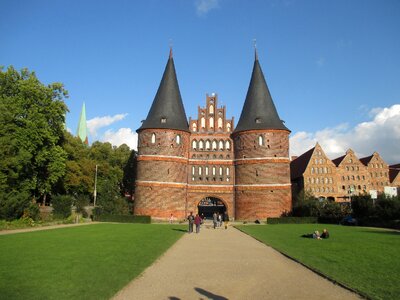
<point x="122" y="136"/>
<point x="381" y="134"/>
<point x="204" y="6"/>
<point x="96" y="123"/>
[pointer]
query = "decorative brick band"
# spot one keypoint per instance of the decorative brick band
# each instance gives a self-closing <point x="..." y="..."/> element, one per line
<point x="211" y="162"/>
<point x="158" y="183"/>
<point x="259" y="160"/>
<point x="243" y="187"/>
<point x="162" y="158"/>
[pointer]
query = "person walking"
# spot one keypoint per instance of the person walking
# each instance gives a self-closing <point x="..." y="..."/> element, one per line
<point x="197" y="222"/>
<point x="226" y="220"/>
<point x="191" y="221"/>
<point x="215" y="219"/>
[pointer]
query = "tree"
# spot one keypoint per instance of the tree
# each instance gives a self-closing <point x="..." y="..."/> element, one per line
<point x="32" y="117"/>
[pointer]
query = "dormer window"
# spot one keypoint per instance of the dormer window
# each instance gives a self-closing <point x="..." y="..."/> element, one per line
<point x="258" y="120"/>
<point x="153" y="138"/>
<point x="163" y="120"/>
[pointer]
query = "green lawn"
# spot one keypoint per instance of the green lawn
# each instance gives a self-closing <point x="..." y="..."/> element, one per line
<point x="86" y="262"/>
<point x="365" y="259"/>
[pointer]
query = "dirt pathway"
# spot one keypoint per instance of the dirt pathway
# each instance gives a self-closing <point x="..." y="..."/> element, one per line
<point x="228" y="264"/>
<point x="12" y="231"/>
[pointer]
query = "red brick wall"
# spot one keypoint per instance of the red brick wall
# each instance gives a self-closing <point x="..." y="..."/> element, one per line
<point x="262" y="174"/>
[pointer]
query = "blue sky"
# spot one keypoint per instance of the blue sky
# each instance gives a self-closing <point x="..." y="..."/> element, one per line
<point x="333" y="67"/>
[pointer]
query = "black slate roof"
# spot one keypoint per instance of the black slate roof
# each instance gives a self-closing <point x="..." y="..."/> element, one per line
<point x="167" y="111"/>
<point x="259" y="110"/>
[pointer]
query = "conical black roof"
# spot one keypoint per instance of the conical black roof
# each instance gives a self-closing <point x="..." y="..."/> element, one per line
<point x="258" y="111"/>
<point x="167" y="111"/>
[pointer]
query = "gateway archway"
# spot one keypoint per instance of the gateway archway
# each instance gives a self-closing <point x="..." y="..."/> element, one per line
<point x="209" y="205"/>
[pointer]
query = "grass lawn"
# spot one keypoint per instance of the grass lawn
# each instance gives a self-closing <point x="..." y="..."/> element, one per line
<point x="85" y="262"/>
<point x="365" y="259"/>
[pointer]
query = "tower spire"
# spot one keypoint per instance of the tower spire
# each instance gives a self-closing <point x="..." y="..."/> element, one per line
<point x="82" y="126"/>
<point x="255" y="49"/>
<point x="259" y="111"/>
<point x="167" y="111"/>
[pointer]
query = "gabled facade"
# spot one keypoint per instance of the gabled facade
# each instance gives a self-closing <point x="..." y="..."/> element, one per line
<point x="208" y="165"/>
<point x="315" y="172"/>
<point x="378" y="171"/>
<point x="343" y="177"/>
<point x="352" y="175"/>
<point x="394" y="175"/>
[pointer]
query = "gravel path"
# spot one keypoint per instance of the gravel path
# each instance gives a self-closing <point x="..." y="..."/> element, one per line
<point x="228" y="264"/>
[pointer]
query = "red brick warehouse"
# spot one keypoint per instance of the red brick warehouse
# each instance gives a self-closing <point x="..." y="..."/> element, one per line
<point x="208" y="164"/>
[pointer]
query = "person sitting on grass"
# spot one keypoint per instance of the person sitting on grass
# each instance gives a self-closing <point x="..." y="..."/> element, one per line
<point x="316" y="235"/>
<point x="325" y="234"/>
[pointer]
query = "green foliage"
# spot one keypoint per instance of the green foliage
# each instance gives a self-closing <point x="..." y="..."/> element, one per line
<point x="80" y="203"/>
<point x="13" y="204"/>
<point x="306" y="205"/>
<point x="123" y="218"/>
<point x="32" y="212"/>
<point x="85" y="262"/>
<point x="62" y="206"/>
<point x="292" y="220"/>
<point x="362" y="206"/>
<point x="32" y="117"/>
<point x="364" y="259"/>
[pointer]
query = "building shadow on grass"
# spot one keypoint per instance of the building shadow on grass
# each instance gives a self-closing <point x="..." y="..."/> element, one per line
<point x="209" y="295"/>
<point x="179" y="229"/>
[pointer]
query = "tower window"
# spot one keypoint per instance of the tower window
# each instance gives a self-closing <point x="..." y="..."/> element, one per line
<point x="194" y="127"/>
<point x="178" y="139"/>
<point x="228" y="127"/>
<point x="227" y="145"/>
<point x="211" y="109"/>
<point x="194" y="144"/>
<point x="211" y="122"/>
<point x="153" y="138"/>
<point x="260" y="140"/>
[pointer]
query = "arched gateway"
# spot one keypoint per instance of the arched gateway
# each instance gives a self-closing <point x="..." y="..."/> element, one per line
<point x="209" y="205"/>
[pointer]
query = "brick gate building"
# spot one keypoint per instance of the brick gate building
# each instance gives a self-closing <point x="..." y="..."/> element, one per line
<point x="207" y="164"/>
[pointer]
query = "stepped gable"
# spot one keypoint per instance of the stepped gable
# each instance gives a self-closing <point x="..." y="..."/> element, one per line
<point x="299" y="165"/>
<point x="167" y="111"/>
<point x="259" y="110"/>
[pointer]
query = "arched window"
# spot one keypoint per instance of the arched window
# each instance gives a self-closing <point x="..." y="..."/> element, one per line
<point x="207" y="145"/>
<point x="219" y="122"/>
<point x="214" y="145"/>
<point x="220" y="171"/>
<point x="206" y="171"/>
<point x="221" y="145"/>
<point x="203" y="122"/>
<point x="194" y="144"/>
<point x="227" y="171"/>
<point x="260" y="140"/>
<point x="211" y="109"/>
<point x="201" y="145"/>
<point x="227" y="145"/>
<point x="211" y="122"/>
<point x="213" y="171"/>
<point x="193" y="170"/>
<point x="228" y="127"/>
<point x="200" y="170"/>
<point x="153" y="138"/>
<point x="194" y="127"/>
<point x="178" y="139"/>
<point x="312" y="170"/>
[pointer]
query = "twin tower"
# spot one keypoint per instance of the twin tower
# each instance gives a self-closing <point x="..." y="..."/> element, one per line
<point x="208" y="165"/>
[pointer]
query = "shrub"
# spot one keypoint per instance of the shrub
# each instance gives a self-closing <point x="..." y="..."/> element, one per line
<point x="362" y="206"/>
<point x="80" y="203"/>
<point x="292" y="220"/>
<point x="123" y="218"/>
<point x="62" y="206"/>
<point x="32" y="211"/>
<point x="13" y="204"/>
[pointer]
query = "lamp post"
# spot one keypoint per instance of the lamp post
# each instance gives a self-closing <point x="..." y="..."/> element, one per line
<point x="95" y="189"/>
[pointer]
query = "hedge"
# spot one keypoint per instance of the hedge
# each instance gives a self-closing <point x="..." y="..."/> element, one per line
<point x="122" y="218"/>
<point x="293" y="220"/>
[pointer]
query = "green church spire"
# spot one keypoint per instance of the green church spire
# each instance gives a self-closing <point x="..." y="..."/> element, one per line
<point x="82" y="128"/>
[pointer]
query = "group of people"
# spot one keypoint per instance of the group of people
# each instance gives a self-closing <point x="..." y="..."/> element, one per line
<point x="197" y="220"/>
<point x="316" y="235"/>
<point x="218" y="218"/>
